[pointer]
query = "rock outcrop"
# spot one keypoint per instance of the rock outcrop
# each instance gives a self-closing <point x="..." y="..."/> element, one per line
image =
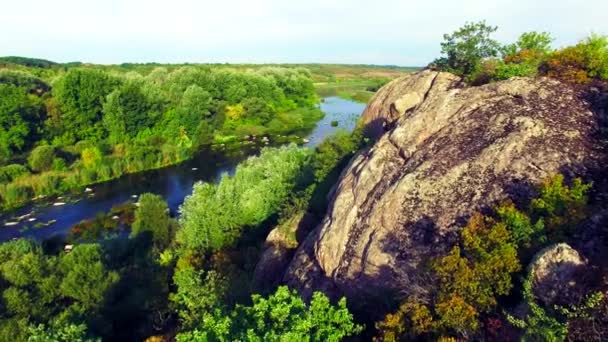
<point x="442" y="152"/>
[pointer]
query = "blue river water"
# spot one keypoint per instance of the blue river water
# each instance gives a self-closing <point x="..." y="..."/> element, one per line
<point x="173" y="183"/>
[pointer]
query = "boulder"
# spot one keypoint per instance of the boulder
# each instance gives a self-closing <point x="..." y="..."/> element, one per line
<point x="555" y="273"/>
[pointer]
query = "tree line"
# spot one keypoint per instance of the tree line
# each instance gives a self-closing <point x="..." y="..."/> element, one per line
<point x="63" y="129"/>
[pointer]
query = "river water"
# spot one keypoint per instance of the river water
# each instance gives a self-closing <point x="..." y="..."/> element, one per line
<point x="173" y="183"/>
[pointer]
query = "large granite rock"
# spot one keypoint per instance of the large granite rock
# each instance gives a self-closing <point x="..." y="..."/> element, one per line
<point x="443" y="151"/>
<point x="555" y="272"/>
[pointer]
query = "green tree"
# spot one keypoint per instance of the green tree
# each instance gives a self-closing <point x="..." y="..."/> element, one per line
<point x="198" y="293"/>
<point x="213" y="216"/>
<point x="29" y="281"/>
<point x="192" y="117"/>
<point x="282" y="316"/>
<point x="81" y="94"/>
<point x="530" y="41"/>
<point x="41" y="158"/>
<point x="152" y="216"/>
<point x="20" y="116"/>
<point x="86" y="278"/>
<point x="465" y="48"/>
<point x="128" y="111"/>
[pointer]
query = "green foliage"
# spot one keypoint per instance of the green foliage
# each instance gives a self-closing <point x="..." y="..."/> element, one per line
<point x="282" y="316"/>
<point x="25" y="80"/>
<point x="332" y="151"/>
<point x="11" y="172"/>
<point x="26" y="61"/>
<point x="538" y="325"/>
<point x="595" y="52"/>
<point x="15" y="194"/>
<point x="198" y="293"/>
<point x="127" y="111"/>
<point x="85" y="276"/>
<point x="81" y="94"/>
<point x="529" y="41"/>
<point x="465" y="48"/>
<point x="41" y="158"/>
<point x="39" y="289"/>
<point x="152" y="217"/>
<point x="141" y="122"/>
<point x="559" y="206"/>
<point x="580" y="63"/>
<point x="214" y="215"/>
<point x="482" y="269"/>
<point x="20" y="115"/>
<point x="521" y="59"/>
<point x="504" y="71"/>
<point x="59" y="333"/>
<point x="522" y="230"/>
<point x="91" y="158"/>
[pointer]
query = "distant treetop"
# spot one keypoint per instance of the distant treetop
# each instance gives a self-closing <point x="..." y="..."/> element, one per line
<point x="29" y="62"/>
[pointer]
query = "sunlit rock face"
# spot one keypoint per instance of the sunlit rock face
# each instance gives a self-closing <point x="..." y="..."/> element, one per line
<point x="442" y="151"/>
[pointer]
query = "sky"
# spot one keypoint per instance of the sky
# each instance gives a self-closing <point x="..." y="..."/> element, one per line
<point x="401" y="32"/>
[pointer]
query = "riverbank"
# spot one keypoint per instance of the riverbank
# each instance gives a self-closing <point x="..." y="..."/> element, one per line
<point x="49" y="186"/>
<point x="173" y="183"/>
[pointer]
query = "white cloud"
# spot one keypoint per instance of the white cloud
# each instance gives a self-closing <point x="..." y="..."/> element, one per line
<point x="381" y="31"/>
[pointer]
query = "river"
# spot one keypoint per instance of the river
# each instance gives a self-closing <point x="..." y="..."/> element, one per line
<point x="173" y="183"/>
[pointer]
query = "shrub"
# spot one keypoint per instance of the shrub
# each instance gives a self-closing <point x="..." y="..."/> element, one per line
<point x="411" y="320"/>
<point x="11" y="172"/>
<point x="560" y="207"/>
<point x="580" y="63"/>
<point x="47" y="183"/>
<point x="485" y="72"/>
<point x="152" y="216"/>
<point x="59" y="164"/>
<point x="91" y="157"/>
<point x="595" y="52"/>
<point x="41" y="158"/>
<point x="15" y="194"/>
<point x="473" y="272"/>
<point x="504" y="71"/>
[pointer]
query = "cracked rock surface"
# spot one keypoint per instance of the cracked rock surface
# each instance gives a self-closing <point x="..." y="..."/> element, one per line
<point x="442" y="152"/>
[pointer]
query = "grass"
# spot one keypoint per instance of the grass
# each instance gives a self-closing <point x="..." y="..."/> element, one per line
<point x="353" y="82"/>
<point x="354" y="90"/>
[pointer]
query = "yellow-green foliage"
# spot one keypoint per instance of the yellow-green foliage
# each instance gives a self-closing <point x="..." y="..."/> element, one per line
<point x="580" y="63"/>
<point x="411" y="319"/>
<point x="559" y="206"/>
<point x="475" y="273"/>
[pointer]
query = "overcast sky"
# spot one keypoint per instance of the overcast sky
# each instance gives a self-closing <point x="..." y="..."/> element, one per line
<point x="400" y="32"/>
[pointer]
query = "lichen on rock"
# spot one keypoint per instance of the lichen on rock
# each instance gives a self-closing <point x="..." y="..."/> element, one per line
<point x="442" y="152"/>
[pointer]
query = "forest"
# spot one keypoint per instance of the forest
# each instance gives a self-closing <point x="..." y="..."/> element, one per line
<point x="62" y="127"/>
<point x="149" y="275"/>
<point x="190" y="277"/>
